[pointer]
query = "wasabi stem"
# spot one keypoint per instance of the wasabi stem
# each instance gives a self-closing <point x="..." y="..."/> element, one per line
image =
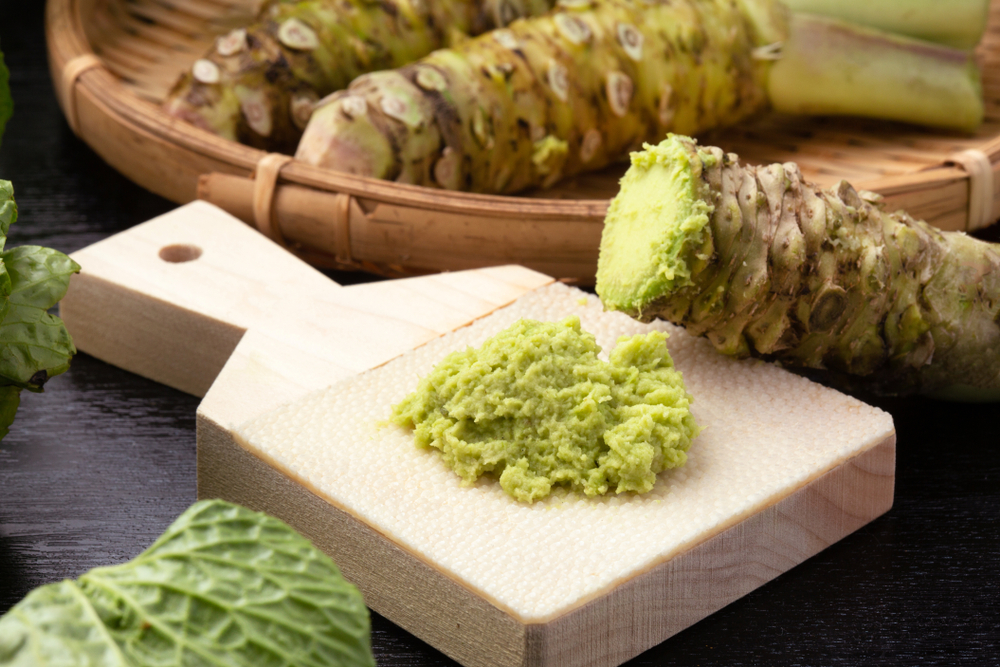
<point x="258" y="84"/>
<point x="829" y="67"/>
<point x="956" y="23"/>
<point x="766" y="265"/>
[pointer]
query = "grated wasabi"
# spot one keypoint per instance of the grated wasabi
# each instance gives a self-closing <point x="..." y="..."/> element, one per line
<point x="537" y="407"/>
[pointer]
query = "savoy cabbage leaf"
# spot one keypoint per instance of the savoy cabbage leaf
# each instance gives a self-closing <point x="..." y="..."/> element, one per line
<point x="55" y="625"/>
<point x="223" y="586"/>
<point x="34" y="344"/>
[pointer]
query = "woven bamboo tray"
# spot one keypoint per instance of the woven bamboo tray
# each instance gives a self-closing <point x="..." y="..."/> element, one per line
<point x="113" y="61"/>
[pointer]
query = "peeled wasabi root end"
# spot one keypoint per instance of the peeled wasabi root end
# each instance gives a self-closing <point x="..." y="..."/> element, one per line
<point x="766" y="265"/>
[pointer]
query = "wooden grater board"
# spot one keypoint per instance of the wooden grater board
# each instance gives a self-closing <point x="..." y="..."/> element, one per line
<point x="260" y="335"/>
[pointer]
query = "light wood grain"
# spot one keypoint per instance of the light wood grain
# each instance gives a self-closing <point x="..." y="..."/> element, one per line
<point x="146" y="44"/>
<point x="608" y="631"/>
<point x="180" y="322"/>
<point x="252" y="328"/>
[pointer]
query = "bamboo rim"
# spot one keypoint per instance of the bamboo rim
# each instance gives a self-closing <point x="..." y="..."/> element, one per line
<point x="337" y="220"/>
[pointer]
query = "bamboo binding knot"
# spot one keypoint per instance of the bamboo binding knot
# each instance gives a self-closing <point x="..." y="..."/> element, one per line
<point x="265" y="184"/>
<point x="265" y="187"/>
<point x="342" y="229"/>
<point x="977" y="164"/>
<point x="71" y="73"/>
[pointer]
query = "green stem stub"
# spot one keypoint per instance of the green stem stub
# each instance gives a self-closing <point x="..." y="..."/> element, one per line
<point x="956" y="23"/>
<point x="830" y="67"/>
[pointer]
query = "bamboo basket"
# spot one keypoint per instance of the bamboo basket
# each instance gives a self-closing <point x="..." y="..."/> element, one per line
<point x="113" y="61"/>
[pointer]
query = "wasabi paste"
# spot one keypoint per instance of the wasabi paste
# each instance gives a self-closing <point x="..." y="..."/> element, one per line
<point x="537" y="407"/>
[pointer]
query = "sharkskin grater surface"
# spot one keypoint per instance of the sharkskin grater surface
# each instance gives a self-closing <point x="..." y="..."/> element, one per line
<point x="766" y="433"/>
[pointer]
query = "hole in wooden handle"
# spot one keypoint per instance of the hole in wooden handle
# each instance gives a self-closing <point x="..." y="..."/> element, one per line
<point x="181" y="252"/>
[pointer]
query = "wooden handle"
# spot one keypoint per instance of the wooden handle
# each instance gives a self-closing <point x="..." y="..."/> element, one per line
<point x="172" y="298"/>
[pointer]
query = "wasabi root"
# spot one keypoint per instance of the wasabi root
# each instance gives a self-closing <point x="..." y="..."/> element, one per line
<point x="576" y="89"/>
<point x="767" y="265"/>
<point x="258" y="84"/>
<point x="549" y="97"/>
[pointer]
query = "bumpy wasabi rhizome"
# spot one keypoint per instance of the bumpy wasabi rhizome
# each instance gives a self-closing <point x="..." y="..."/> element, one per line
<point x="765" y="264"/>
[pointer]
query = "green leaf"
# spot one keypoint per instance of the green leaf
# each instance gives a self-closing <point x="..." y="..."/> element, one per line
<point x="56" y="625"/>
<point x="34" y="344"/>
<point x="10" y="399"/>
<point x="8" y="216"/>
<point x="222" y="586"/>
<point x="6" y="104"/>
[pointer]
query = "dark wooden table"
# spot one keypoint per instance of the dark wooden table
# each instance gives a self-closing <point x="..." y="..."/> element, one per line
<point x="97" y="466"/>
